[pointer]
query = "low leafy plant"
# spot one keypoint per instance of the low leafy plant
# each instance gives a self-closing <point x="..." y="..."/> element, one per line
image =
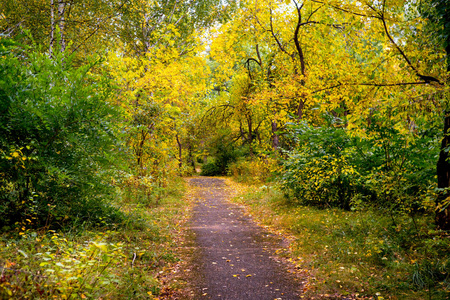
<point x="223" y="154"/>
<point x="211" y="169"/>
<point x="101" y="263"/>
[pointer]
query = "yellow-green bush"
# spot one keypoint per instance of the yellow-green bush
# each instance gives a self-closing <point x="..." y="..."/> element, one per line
<point x="257" y="169"/>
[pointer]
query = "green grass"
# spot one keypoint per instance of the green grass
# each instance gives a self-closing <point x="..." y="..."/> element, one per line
<point x="367" y="253"/>
<point x="110" y="261"/>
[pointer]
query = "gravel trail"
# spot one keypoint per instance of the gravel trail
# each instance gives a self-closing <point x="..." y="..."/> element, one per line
<point x="233" y="257"/>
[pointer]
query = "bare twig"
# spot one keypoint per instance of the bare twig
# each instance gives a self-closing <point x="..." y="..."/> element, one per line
<point x="427" y="79"/>
<point x="134" y="258"/>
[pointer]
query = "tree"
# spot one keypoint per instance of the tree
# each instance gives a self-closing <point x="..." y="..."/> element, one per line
<point x="159" y="91"/>
<point x="363" y="65"/>
<point x="145" y="25"/>
<point x="86" y="26"/>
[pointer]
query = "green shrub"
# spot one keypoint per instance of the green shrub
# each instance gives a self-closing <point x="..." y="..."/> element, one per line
<point x="211" y="169"/>
<point x="330" y="168"/>
<point x="257" y="169"/>
<point x="224" y="153"/>
<point x="320" y="171"/>
<point x="56" y="140"/>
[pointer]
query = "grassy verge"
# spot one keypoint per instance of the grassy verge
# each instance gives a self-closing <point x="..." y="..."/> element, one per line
<point x="126" y="261"/>
<point x="364" y="254"/>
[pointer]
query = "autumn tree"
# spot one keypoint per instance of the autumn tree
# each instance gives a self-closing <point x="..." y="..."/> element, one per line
<point x="86" y="26"/>
<point x="362" y="66"/>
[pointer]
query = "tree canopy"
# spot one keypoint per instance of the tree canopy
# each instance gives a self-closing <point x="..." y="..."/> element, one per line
<point x="263" y="75"/>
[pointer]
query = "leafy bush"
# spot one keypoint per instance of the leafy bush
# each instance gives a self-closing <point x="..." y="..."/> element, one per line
<point x="319" y="171"/>
<point x="330" y="168"/>
<point x="98" y="263"/>
<point x="256" y="169"/>
<point x="56" y="140"/>
<point x="224" y="153"/>
<point x="67" y="269"/>
<point x="211" y="169"/>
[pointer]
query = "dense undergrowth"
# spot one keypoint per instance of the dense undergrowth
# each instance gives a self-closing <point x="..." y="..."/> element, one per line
<point x="79" y="217"/>
<point x="365" y="253"/>
<point x="107" y="261"/>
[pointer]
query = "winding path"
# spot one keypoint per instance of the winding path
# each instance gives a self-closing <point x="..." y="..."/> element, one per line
<point x="233" y="257"/>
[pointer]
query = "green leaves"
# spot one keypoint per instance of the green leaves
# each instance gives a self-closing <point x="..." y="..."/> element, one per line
<point x="54" y="133"/>
<point x="388" y="170"/>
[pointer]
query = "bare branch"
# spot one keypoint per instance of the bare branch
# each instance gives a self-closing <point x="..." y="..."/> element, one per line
<point x="297" y="42"/>
<point x="427" y="79"/>
<point x="252" y="59"/>
<point x="98" y="26"/>
<point x="370" y="84"/>
<point x="348" y="11"/>
<point x="274" y="35"/>
<point x="313" y="12"/>
<point x="259" y="55"/>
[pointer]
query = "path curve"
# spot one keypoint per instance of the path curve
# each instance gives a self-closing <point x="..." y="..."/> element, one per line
<point x="233" y="257"/>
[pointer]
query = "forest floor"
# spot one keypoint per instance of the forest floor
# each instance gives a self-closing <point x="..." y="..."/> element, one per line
<point x="243" y="241"/>
<point x="230" y="256"/>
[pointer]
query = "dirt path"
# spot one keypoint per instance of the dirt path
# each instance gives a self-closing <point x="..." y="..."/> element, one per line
<point x="234" y="258"/>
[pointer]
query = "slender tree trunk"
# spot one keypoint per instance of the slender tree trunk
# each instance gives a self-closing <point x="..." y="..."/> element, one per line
<point x="180" y="152"/>
<point x="140" y="152"/>
<point x="60" y="8"/>
<point x="52" y="27"/>
<point x="250" y="133"/>
<point x="191" y="161"/>
<point x="443" y="176"/>
<point x="275" y="139"/>
<point x="61" y="16"/>
<point x="443" y="166"/>
<point x="301" y="57"/>
<point x="300" y="107"/>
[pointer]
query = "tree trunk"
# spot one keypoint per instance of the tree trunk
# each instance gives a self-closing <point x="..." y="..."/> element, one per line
<point x="300" y="107"/>
<point x="443" y="176"/>
<point x="61" y="15"/>
<point x="275" y="139"/>
<point x="57" y="22"/>
<point x="442" y="217"/>
<point x="180" y="153"/>
<point x="190" y="159"/>
<point x="52" y="27"/>
<point x="250" y="133"/>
